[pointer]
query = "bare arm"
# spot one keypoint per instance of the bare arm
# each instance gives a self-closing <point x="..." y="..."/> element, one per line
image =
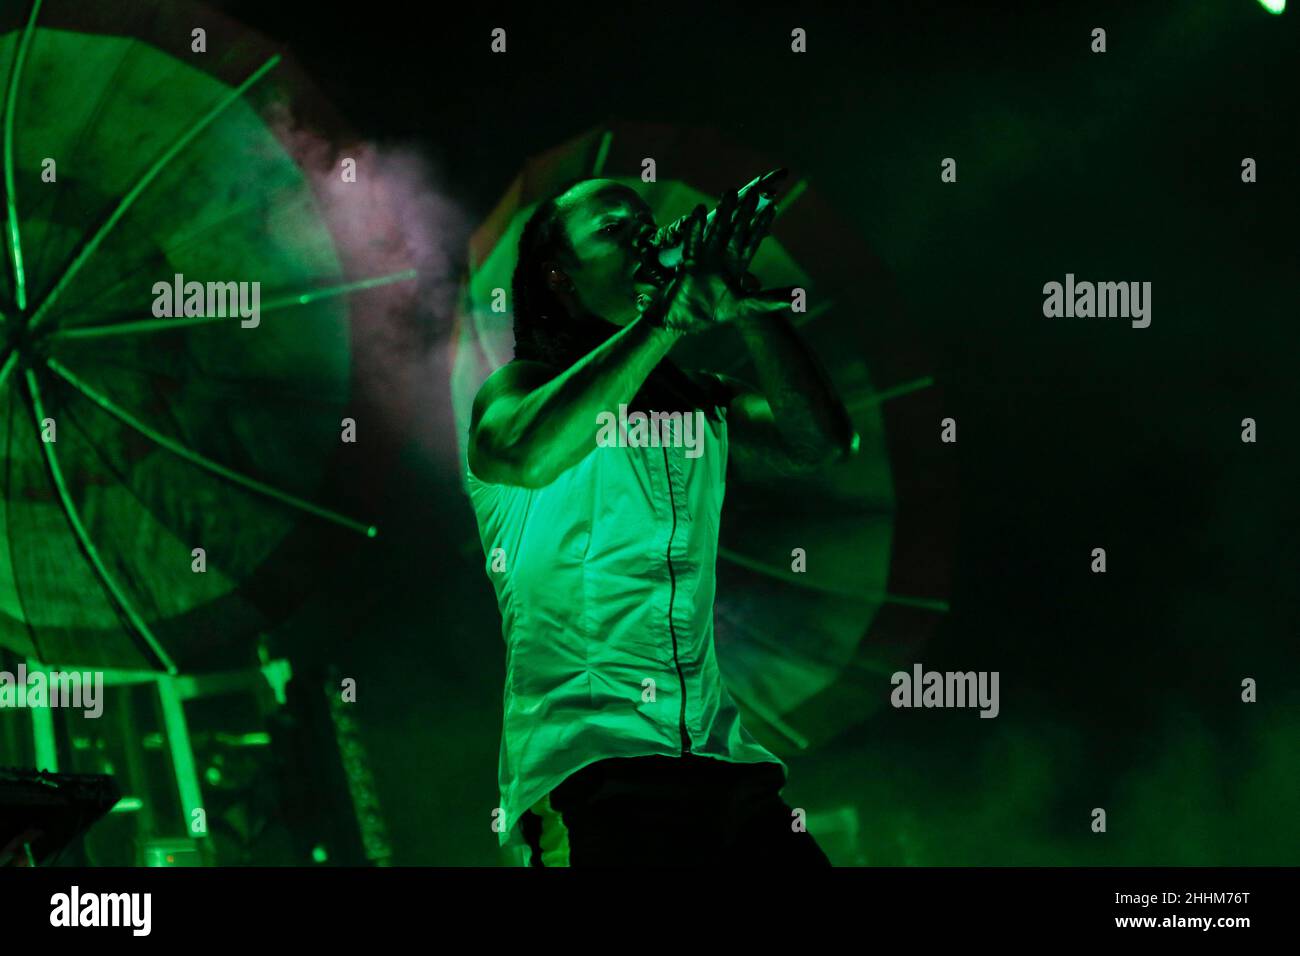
<point x="798" y="422"/>
<point x="530" y="425"/>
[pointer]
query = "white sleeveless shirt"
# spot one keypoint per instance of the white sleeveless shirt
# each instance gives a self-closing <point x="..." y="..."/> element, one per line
<point x="605" y="588"/>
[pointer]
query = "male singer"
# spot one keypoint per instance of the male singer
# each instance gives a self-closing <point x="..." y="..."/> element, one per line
<point x="620" y="744"/>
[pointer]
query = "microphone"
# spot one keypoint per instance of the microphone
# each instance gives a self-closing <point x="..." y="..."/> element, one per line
<point x="665" y="248"/>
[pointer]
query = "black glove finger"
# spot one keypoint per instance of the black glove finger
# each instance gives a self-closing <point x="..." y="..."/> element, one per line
<point x="745" y="222"/>
<point x="757" y="234"/>
<point x="723" y="225"/>
<point x="671" y="234"/>
<point x="693" y="237"/>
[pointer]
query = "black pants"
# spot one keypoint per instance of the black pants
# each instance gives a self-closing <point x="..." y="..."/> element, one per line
<point x="676" y="811"/>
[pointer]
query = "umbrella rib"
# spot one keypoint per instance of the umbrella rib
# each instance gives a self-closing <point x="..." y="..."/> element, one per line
<point x="88" y="546"/>
<point x="261" y="391"/>
<point x="5" y="499"/>
<point x="194" y="458"/>
<point x="142" y="184"/>
<point x="163" y="255"/>
<point x="110" y="86"/>
<point x="816" y="312"/>
<point x="797" y="190"/>
<point x="11" y="359"/>
<point x="758" y="638"/>
<point x="11" y="99"/>
<point x="884" y="395"/>
<point x="602" y="153"/>
<point x="884" y="597"/>
<point x="145" y="326"/>
<point x="770" y="717"/>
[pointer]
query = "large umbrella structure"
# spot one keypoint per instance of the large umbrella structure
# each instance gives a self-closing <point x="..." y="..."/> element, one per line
<point x="157" y="468"/>
<point x="806" y="654"/>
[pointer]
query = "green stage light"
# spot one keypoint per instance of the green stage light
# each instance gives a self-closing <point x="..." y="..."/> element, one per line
<point x="1273" y="6"/>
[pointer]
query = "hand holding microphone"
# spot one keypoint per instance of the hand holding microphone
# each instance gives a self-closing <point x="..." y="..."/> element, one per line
<point x="667" y="242"/>
<point x="719" y="247"/>
<point x="711" y="283"/>
<point x="694" y="295"/>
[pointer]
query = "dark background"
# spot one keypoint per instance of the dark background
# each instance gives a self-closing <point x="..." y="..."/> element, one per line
<point x="1119" y="690"/>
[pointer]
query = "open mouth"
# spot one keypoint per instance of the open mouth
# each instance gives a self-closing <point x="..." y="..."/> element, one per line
<point x="648" y="275"/>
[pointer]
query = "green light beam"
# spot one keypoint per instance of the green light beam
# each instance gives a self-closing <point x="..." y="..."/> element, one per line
<point x="88" y="546"/>
<point x="11" y="100"/>
<point x="145" y="326"/>
<point x="194" y="458"/>
<point x="150" y="174"/>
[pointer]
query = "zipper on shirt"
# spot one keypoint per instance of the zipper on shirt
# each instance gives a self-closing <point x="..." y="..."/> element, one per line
<point x="672" y="597"/>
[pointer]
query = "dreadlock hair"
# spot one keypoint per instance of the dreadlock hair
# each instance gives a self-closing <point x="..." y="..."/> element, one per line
<point x="545" y="332"/>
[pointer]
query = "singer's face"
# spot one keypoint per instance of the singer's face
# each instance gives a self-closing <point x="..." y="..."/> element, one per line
<point x="608" y="225"/>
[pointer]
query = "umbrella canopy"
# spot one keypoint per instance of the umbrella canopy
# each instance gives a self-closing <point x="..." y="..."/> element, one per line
<point x="797" y="647"/>
<point x="156" y="456"/>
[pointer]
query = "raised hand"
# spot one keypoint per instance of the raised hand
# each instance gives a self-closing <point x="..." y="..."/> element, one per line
<point x="713" y="284"/>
